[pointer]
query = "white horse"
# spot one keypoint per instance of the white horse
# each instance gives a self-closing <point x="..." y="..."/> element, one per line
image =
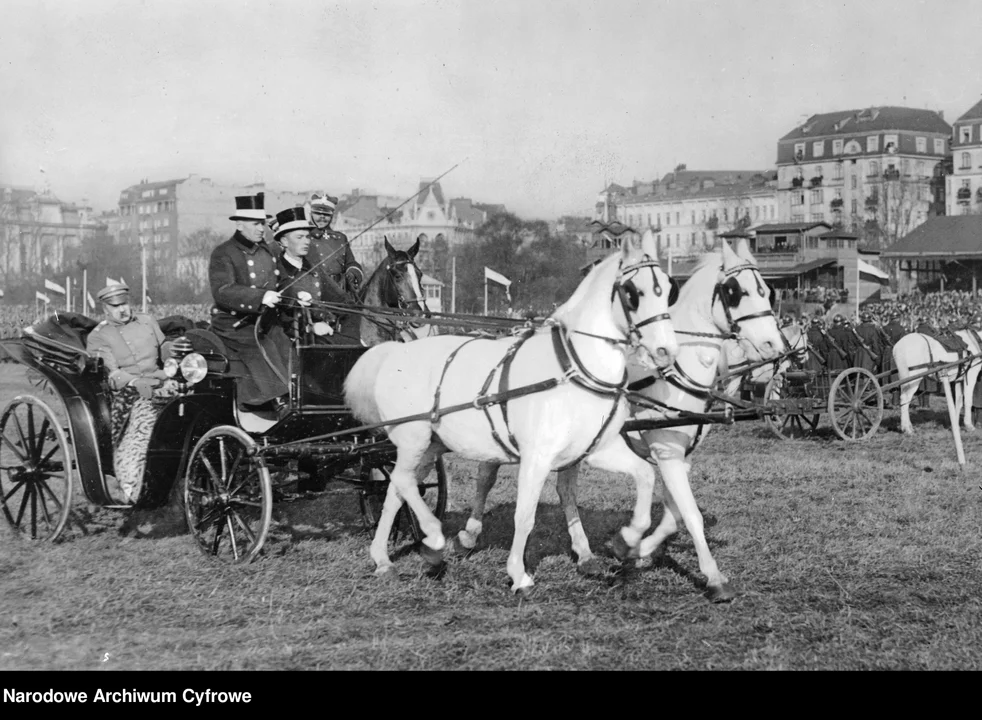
<point x="915" y="353"/>
<point x="565" y="402"/>
<point x="725" y="296"/>
<point x="739" y="356"/>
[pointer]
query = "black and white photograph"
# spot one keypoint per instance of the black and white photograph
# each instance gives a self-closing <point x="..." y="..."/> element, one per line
<point x="428" y="335"/>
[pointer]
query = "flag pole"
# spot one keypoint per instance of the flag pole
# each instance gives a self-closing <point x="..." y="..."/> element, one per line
<point x="453" y="285"/>
<point x="85" y="291"/>
<point x="68" y="293"/>
<point x="485" y="294"/>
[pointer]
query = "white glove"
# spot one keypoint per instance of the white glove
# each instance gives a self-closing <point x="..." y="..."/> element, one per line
<point x="271" y="298"/>
<point x="322" y="328"/>
<point x="304" y="298"/>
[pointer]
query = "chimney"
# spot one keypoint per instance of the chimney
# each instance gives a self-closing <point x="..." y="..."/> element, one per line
<point x="941" y="114"/>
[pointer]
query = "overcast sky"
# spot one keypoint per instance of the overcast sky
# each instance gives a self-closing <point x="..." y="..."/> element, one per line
<point x="540" y="101"/>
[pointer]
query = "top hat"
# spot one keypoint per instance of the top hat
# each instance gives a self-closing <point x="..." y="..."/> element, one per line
<point x="294" y="218"/>
<point x="250" y="207"/>
<point x="114" y="294"/>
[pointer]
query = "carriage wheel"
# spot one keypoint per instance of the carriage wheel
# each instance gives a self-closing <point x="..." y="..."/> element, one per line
<point x="855" y="404"/>
<point x="372" y="496"/>
<point x="228" y="495"/>
<point x="36" y="471"/>
<point x="790" y="426"/>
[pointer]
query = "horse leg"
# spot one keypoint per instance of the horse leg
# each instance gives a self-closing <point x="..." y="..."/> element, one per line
<point x="380" y="543"/>
<point x="616" y="456"/>
<point x="531" y="477"/>
<point x="681" y="503"/>
<point x="971" y="377"/>
<point x="416" y="452"/>
<point x="487" y="476"/>
<point x="586" y="562"/>
<point x="907" y="391"/>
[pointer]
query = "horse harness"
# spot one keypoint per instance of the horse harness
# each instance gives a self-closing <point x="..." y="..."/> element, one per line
<point x="573" y="370"/>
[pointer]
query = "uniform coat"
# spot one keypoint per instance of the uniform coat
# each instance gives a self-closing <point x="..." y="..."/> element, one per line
<point x="129" y="350"/>
<point x="293" y="280"/>
<point x="841" y="337"/>
<point x="870" y="335"/>
<point x="331" y="254"/>
<point x="240" y="273"/>
<point x="819" y="349"/>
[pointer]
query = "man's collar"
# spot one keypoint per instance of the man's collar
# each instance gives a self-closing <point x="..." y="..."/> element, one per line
<point x="247" y="245"/>
<point x="298" y="263"/>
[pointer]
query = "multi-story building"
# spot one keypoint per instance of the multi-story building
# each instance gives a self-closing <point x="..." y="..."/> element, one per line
<point x="687" y="209"/>
<point x="38" y="233"/>
<point x="168" y="217"/>
<point x="871" y="171"/>
<point x="964" y="184"/>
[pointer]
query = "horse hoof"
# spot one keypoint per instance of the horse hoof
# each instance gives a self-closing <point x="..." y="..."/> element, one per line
<point x="387" y="574"/>
<point x="720" y="593"/>
<point x="460" y="549"/>
<point x="623" y="551"/>
<point x="590" y="567"/>
<point x="523" y="593"/>
<point x="433" y="558"/>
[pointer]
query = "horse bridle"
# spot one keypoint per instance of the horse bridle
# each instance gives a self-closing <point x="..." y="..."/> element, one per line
<point x="623" y="291"/>
<point x="718" y="293"/>
<point x="407" y="303"/>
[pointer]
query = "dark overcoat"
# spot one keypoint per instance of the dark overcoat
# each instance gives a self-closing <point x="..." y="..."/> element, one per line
<point x="840" y="339"/>
<point x="870" y="336"/>
<point x="240" y="273"/>
<point x="294" y="280"/>
<point x="331" y="253"/>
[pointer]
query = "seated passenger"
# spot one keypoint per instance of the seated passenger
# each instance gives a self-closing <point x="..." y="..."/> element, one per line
<point x="133" y="349"/>
<point x="301" y="283"/>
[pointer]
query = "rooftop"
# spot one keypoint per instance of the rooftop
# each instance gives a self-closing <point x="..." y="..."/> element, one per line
<point x="875" y="119"/>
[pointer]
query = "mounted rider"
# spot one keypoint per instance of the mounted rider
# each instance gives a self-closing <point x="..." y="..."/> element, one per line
<point x="303" y="284"/>
<point x="329" y="249"/>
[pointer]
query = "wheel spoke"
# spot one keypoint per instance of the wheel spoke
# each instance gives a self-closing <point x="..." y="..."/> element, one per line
<point x="34" y="513"/>
<point x="13" y="490"/>
<point x="17" y="452"/>
<point x="31" y="439"/>
<point x="219" y="529"/>
<point x="245" y="527"/>
<point x="207" y="517"/>
<point x="44" y="487"/>
<point x="39" y="438"/>
<point x="51" y="452"/>
<point x="231" y="536"/>
<point x="216" y="481"/>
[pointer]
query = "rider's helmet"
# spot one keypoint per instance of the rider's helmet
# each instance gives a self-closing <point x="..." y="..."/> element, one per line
<point x="320" y="209"/>
<point x="838" y="320"/>
<point x="866" y="317"/>
<point x="816" y="320"/>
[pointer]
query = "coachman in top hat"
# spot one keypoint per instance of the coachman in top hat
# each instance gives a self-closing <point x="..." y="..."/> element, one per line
<point x="243" y="277"/>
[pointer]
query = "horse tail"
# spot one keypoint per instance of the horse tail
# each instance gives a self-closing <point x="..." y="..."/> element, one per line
<point x="359" y="386"/>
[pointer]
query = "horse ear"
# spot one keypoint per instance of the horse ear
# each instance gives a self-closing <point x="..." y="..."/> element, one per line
<point x="388" y="246"/>
<point x="730" y="258"/>
<point x="630" y="244"/>
<point x="413" y="250"/>
<point x="648" y="244"/>
<point x="743" y="251"/>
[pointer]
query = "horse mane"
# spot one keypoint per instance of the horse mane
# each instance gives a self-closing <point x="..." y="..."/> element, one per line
<point x="604" y="272"/>
<point x="363" y="291"/>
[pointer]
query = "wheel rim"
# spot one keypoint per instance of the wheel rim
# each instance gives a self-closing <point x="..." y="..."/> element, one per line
<point x="36" y="472"/>
<point x="433" y="490"/>
<point x="856" y="404"/>
<point x="228" y="496"/>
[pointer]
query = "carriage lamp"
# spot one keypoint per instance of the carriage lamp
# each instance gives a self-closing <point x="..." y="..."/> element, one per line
<point x="171" y="367"/>
<point x="194" y="367"/>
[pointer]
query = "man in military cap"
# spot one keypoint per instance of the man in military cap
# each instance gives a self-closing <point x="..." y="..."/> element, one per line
<point x="130" y="344"/>
<point x="818" y="346"/>
<point x="329" y="249"/>
<point x="842" y="342"/>
<point x="132" y="348"/>
<point x="243" y="278"/>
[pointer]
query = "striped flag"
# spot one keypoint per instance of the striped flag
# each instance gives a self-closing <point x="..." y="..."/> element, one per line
<point x="54" y="287"/>
<point x="38" y="295"/>
<point x="490" y="274"/>
<point x="91" y="301"/>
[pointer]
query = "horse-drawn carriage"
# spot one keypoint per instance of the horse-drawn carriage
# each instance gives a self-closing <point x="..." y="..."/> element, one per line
<point x="200" y="450"/>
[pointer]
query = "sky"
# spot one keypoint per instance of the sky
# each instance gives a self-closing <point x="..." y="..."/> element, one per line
<point x="536" y="104"/>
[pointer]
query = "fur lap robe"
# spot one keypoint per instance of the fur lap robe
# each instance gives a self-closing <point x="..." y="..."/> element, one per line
<point x="132" y="422"/>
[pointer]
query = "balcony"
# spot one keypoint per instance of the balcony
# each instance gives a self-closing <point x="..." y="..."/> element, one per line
<point x="891" y="174"/>
<point x="964" y="195"/>
<point x="797" y="182"/>
<point x="836" y="203"/>
<point x="872" y="201"/>
<point x="712" y="223"/>
<point x="816" y="181"/>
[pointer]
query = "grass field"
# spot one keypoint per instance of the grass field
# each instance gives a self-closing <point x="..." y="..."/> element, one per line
<point x="845" y="556"/>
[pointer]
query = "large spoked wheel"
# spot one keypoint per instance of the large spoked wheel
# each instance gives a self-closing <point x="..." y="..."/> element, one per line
<point x="228" y="495"/>
<point x="36" y="472"/>
<point x="374" y="486"/>
<point x="788" y="425"/>
<point x="855" y="404"/>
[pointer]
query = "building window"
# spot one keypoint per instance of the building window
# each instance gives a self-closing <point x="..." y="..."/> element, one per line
<point x="693" y="218"/>
<point x="938" y="146"/>
<point x="678" y="220"/>
<point x="872" y="143"/>
<point x="837" y="172"/>
<point x="818" y="217"/>
<point x="757" y="212"/>
<point x="162" y="191"/>
<point x="797" y="198"/>
<point x="855" y="206"/>
<point x="853" y="183"/>
<point x="891" y="143"/>
<point x="725" y="212"/>
<point x="816" y="197"/>
<point x="919" y="168"/>
<point x="146" y="193"/>
<point x="799" y="152"/>
<point x="818" y="148"/>
<point x="836" y="147"/>
<point x="966" y="133"/>
<point x="921" y="144"/>
<point x="966" y="161"/>
<point x="799" y="218"/>
<point x="874" y="168"/>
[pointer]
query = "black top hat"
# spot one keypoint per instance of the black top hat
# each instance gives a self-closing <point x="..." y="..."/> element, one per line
<point x="250" y="207"/>
<point x="294" y="218"/>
